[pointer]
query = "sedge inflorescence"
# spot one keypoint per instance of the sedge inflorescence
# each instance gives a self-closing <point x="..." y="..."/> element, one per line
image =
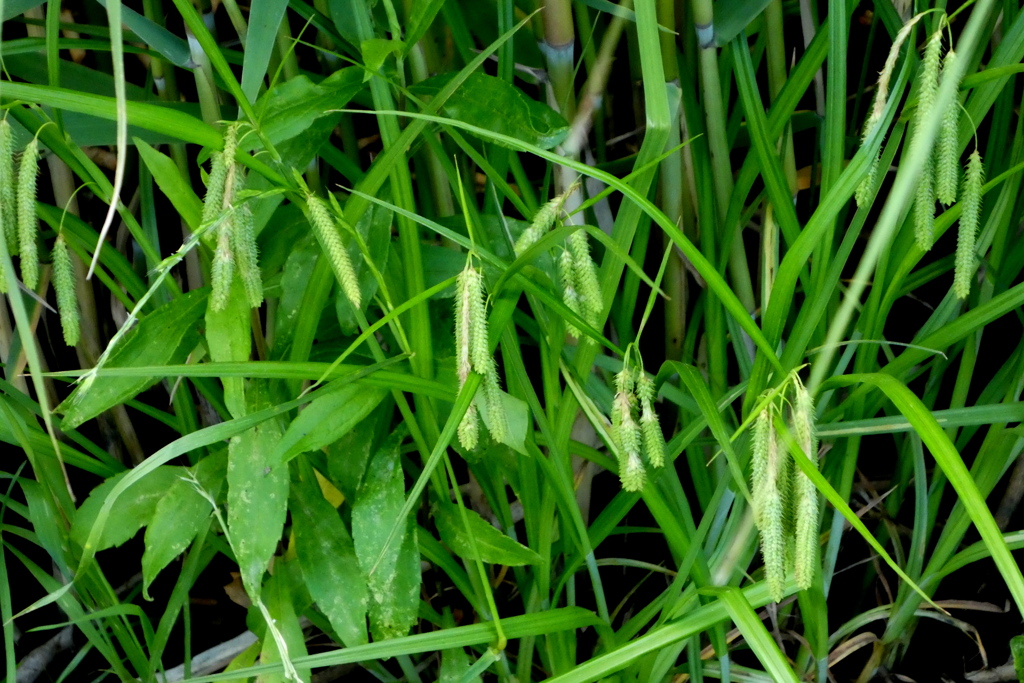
<point x="577" y="272"/>
<point x="940" y="177"/>
<point x="785" y="499"/>
<point x="635" y="428"/>
<point x="18" y="204"/>
<point x="473" y="354"/>
<point x="226" y="210"/>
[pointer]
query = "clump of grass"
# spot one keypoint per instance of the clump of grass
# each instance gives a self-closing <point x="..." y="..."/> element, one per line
<point x="349" y="174"/>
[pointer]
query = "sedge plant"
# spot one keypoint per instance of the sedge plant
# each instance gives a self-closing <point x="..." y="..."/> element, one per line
<point x="517" y="341"/>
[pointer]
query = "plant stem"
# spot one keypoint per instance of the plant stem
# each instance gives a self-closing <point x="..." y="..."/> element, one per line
<point x="714" y="111"/>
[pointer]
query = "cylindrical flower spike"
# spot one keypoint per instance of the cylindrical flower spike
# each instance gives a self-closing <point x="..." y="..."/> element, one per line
<point x="586" y="277"/>
<point x="495" y="407"/>
<point x="768" y="475"/>
<point x="867" y="184"/>
<point x="64" y="286"/>
<point x="463" y="323"/>
<point x="326" y="230"/>
<point x="924" y="200"/>
<point x="247" y="256"/>
<point x="570" y="297"/>
<point x="223" y="268"/>
<point x="28" y="224"/>
<point x="8" y="205"/>
<point x="543" y="220"/>
<point x="974" y="178"/>
<point x="243" y="245"/>
<point x="633" y="476"/>
<point x="654" y="440"/>
<point x="469" y="429"/>
<point x="805" y="495"/>
<point x="217" y="181"/>
<point x="874" y="118"/>
<point x="947" y="154"/>
<point x="626" y="432"/>
<point x="473" y="354"/>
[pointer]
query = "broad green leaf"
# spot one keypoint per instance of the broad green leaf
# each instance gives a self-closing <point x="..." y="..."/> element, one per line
<point x="493" y="546"/>
<point x="291" y="107"/>
<point x="421" y="15"/>
<point x="440" y="264"/>
<point x="130" y="512"/>
<point x="257" y="500"/>
<point x="348" y="457"/>
<point x="328" y="418"/>
<point x="516" y="414"/>
<point x="229" y="339"/>
<point x="344" y="21"/>
<point x="13" y="8"/>
<point x="394" y="615"/>
<point x="328" y="560"/>
<point x="180" y="514"/>
<point x="264" y="22"/>
<point x="497" y="106"/>
<point x="375" y="510"/>
<point x="165" y="336"/>
<point x="294" y="279"/>
<point x="732" y="16"/>
<point x="168" y="179"/>
<point x="454" y="665"/>
<point x="375" y="51"/>
<point x="46" y="523"/>
<point x="278" y="600"/>
<point x="393" y="576"/>
<point x="243" y="660"/>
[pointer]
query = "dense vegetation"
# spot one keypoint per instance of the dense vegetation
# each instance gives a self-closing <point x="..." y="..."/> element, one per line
<point x="511" y="339"/>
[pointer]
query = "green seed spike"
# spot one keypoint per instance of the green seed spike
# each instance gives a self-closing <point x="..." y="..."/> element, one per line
<point x="947" y="155"/>
<point x="498" y="421"/>
<point x="243" y="245"/>
<point x="654" y="440"/>
<point x="479" y="341"/>
<point x="924" y="209"/>
<point x="247" y="256"/>
<point x="768" y="475"/>
<point x="217" y="181"/>
<point x="28" y="224"/>
<point x="626" y="433"/>
<point x="327" y="234"/>
<point x="928" y="78"/>
<point x="223" y="269"/>
<point x="964" y="270"/>
<point x="8" y="206"/>
<point x="469" y="429"/>
<point x="759" y="456"/>
<point x="463" y="323"/>
<point x="633" y="476"/>
<point x="928" y="85"/>
<point x="805" y="495"/>
<point x="543" y="220"/>
<point x="586" y="277"/>
<point x="64" y="286"/>
<point x="215" y="188"/>
<point x="867" y="184"/>
<point x="570" y="296"/>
